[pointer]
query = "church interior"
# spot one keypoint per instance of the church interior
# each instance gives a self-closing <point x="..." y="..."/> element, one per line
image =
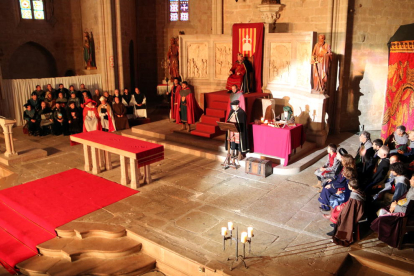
<point x="215" y="137"/>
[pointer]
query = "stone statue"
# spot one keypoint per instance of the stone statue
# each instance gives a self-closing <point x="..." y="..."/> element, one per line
<point x="321" y="58"/>
<point x="89" y="51"/>
<point x="173" y="58"/>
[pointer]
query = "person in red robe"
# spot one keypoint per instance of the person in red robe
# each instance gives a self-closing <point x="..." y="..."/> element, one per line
<point x="237" y="74"/>
<point x="188" y="111"/>
<point x="236" y="95"/>
<point x="91" y="120"/>
<point x="175" y="89"/>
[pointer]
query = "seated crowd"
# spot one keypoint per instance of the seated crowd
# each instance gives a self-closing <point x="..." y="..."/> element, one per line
<point x="66" y="112"/>
<point x="376" y="185"/>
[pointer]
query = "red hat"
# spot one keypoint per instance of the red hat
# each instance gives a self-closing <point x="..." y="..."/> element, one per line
<point x="90" y="101"/>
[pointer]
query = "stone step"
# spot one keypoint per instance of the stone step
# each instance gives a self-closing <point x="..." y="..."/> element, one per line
<point x="83" y="230"/>
<point x="211" y="120"/>
<point x="72" y="249"/>
<point x="136" y="264"/>
<point x="215" y="112"/>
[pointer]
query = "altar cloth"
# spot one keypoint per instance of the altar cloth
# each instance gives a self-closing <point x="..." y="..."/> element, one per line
<point x="278" y="142"/>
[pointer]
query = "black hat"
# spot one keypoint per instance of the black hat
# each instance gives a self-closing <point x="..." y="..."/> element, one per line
<point x="34" y="93"/>
<point x="26" y="105"/>
<point x="235" y="102"/>
<point x="342" y="151"/>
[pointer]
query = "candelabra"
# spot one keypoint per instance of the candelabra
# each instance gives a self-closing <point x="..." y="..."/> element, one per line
<point x="245" y="237"/>
<point x="165" y="63"/>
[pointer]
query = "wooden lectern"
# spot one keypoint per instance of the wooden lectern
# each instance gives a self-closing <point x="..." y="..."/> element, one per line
<point x="231" y="161"/>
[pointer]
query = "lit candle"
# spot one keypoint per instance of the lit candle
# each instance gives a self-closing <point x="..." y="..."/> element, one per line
<point x="266" y="122"/>
<point x="262" y="119"/>
<point x="230" y="226"/>
<point x="243" y="237"/>
<point x="250" y="232"/>
<point x="223" y="231"/>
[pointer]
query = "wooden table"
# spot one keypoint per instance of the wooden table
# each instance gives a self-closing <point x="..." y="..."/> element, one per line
<point x="98" y="145"/>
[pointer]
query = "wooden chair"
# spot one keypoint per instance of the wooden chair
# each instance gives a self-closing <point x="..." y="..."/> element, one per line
<point x="407" y="226"/>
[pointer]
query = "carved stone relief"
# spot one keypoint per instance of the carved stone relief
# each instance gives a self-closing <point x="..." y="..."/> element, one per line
<point x="197" y="62"/>
<point x="222" y="60"/>
<point x="303" y="56"/>
<point x="280" y="62"/>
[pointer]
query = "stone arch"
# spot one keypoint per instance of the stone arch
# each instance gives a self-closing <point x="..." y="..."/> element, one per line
<point x="32" y="60"/>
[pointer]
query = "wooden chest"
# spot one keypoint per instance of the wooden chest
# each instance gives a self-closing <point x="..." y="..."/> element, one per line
<point x="259" y="167"/>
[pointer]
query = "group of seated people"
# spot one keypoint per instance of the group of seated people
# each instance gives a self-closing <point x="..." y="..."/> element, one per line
<point x="66" y="112"/>
<point x="375" y="185"/>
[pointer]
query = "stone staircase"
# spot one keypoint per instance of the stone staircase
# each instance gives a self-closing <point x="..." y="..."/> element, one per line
<point x="89" y="249"/>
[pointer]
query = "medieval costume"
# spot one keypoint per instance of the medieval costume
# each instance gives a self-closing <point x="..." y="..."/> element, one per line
<point x="140" y="104"/>
<point x="91" y="119"/>
<point x="347" y="223"/>
<point x="381" y="167"/>
<point x="105" y="113"/>
<point x="60" y="121"/>
<point x="236" y="96"/>
<point x="74" y="119"/>
<point x="32" y="119"/>
<point x="396" y="142"/>
<point x="120" y="117"/>
<point x="389" y="226"/>
<point x="34" y="101"/>
<point x="239" y="142"/>
<point x="175" y="90"/>
<point x="188" y="110"/>
<point x="46" y="120"/>
<point x="239" y="75"/>
<point x="328" y="166"/>
<point x="364" y="164"/>
<point x="129" y="103"/>
<point x="329" y="197"/>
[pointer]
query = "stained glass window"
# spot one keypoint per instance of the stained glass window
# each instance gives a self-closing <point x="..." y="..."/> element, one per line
<point x="179" y="10"/>
<point x="32" y="9"/>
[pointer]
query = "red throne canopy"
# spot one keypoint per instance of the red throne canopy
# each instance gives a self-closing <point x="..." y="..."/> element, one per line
<point x="248" y="40"/>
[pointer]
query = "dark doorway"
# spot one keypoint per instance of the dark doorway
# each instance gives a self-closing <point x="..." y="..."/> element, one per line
<point x="32" y="60"/>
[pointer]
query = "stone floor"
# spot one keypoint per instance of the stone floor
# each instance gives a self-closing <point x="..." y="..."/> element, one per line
<point x="191" y="198"/>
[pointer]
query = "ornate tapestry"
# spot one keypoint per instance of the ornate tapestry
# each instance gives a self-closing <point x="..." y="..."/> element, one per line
<point x="399" y="98"/>
<point x="248" y="40"/>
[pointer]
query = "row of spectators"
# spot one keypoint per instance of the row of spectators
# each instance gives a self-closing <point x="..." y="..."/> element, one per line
<point x="376" y="185"/>
<point x="64" y="111"/>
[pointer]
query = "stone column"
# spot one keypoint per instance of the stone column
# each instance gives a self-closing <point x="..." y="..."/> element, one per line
<point x="7" y="126"/>
<point x="217" y="17"/>
<point x="119" y="45"/>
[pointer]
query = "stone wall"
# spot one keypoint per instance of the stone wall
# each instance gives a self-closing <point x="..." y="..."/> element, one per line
<point x="60" y="35"/>
<point x="375" y="21"/>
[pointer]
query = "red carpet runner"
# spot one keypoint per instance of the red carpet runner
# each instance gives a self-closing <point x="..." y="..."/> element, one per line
<point x="29" y="213"/>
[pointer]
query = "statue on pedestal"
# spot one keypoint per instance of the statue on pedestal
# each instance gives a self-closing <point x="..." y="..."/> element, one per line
<point x="173" y="58"/>
<point x="321" y="58"/>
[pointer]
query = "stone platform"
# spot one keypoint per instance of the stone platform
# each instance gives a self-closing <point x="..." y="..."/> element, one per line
<point x="192" y="197"/>
<point x="170" y="135"/>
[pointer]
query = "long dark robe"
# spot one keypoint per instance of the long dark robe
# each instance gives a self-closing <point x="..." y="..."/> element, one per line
<point x="76" y="122"/>
<point x="139" y="98"/>
<point x="241" y="119"/>
<point x="120" y="122"/>
<point x="347" y="225"/>
<point x="127" y="98"/>
<point x="191" y="110"/>
<point x="339" y="182"/>
<point x="60" y="127"/>
<point x="28" y="116"/>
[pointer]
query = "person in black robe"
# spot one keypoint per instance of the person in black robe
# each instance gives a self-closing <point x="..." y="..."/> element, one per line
<point x="239" y="142"/>
<point x="34" y="101"/>
<point x="46" y="119"/>
<point x="60" y="121"/>
<point x="126" y="100"/>
<point x="74" y="118"/>
<point x="140" y="104"/>
<point x="64" y="90"/>
<point x="119" y="111"/>
<point x="31" y="117"/>
<point x="381" y="165"/>
<point x="40" y="93"/>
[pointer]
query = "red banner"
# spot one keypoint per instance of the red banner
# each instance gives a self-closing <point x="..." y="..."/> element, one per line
<point x="248" y="40"/>
<point x="399" y="98"/>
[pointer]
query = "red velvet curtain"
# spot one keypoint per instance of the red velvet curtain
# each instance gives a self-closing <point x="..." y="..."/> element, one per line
<point x="248" y="39"/>
<point x="399" y="98"/>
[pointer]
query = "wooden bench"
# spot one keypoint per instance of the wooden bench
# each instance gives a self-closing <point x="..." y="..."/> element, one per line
<point x="98" y="146"/>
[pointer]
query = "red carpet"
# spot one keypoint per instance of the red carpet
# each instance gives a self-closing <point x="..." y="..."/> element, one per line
<point x="29" y="213"/>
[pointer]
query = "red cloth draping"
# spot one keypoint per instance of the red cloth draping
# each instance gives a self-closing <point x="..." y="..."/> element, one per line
<point x="142" y="149"/>
<point x="194" y="111"/>
<point x="399" y="98"/>
<point x="252" y="33"/>
<point x="174" y="100"/>
<point x="277" y="142"/>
